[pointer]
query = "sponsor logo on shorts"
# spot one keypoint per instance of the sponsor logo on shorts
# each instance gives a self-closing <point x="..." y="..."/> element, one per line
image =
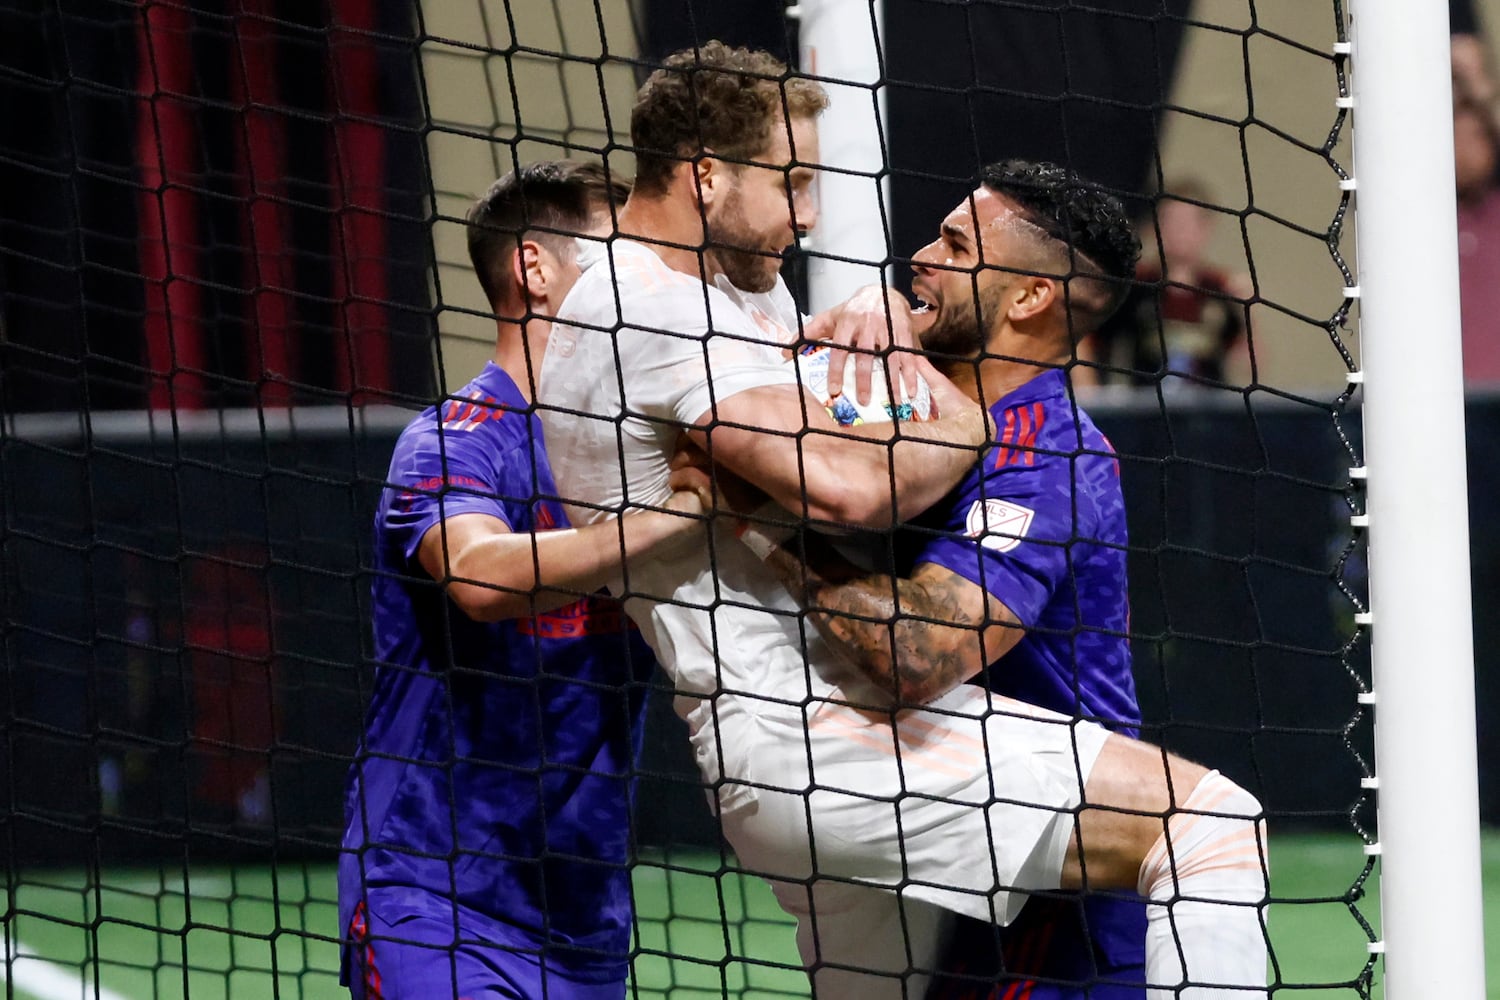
<point x="998" y="524"/>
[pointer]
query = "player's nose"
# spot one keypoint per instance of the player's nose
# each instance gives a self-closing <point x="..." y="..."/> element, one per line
<point x="921" y="261"/>
<point x="805" y="213"/>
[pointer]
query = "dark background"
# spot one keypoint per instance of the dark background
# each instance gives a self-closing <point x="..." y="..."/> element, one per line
<point x="225" y="203"/>
<point x="221" y="203"/>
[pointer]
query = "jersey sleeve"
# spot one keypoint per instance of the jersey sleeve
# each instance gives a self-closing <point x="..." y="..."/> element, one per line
<point x="441" y="472"/>
<point x="1011" y="530"/>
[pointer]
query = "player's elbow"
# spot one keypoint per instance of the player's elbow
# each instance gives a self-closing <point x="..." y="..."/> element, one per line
<point x="925" y="682"/>
<point x="858" y="501"/>
<point x="485" y="604"/>
<point x="935" y="662"/>
<point x="852" y="511"/>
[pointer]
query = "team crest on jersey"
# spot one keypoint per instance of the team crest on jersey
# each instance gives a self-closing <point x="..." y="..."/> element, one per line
<point x="998" y="524"/>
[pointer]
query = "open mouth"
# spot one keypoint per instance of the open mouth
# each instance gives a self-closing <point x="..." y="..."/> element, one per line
<point x="924" y="302"/>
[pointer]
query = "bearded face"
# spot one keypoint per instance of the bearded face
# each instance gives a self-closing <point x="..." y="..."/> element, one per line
<point x="962" y="316"/>
<point x="734" y="241"/>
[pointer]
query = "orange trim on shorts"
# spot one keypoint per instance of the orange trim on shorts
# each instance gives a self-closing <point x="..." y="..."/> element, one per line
<point x="907" y="719"/>
<point x="918" y="754"/>
<point x="359" y="932"/>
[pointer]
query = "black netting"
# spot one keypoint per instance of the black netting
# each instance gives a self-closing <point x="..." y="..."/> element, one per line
<point x="232" y="235"/>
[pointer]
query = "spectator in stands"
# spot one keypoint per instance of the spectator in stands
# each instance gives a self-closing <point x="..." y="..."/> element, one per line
<point x="1187" y="315"/>
<point x="1476" y="141"/>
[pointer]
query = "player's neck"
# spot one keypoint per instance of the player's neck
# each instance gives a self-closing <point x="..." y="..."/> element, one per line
<point x="518" y="352"/>
<point x="1010" y="361"/>
<point x="671" y="226"/>
<point x="995" y="378"/>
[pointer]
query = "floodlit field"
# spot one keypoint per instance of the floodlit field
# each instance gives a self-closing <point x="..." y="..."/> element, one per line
<point x="247" y="933"/>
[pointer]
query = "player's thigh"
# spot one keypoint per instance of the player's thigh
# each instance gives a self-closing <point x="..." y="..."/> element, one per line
<point x="969" y="799"/>
<point x="957" y="804"/>
<point x="861" y="943"/>
<point x="417" y="956"/>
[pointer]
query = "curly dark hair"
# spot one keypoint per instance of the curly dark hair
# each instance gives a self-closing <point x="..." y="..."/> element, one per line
<point x="713" y="97"/>
<point x="1078" y="214"/>
<point x="548" y="201"/>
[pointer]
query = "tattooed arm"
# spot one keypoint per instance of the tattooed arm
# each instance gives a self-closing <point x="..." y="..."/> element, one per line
<point x="916" y="637"/>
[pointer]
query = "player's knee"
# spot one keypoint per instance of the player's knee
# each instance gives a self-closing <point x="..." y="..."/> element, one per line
<point x="1215" y="839"/>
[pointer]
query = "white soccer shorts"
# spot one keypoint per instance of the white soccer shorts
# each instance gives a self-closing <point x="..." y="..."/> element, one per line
<point x="869" y="829"/>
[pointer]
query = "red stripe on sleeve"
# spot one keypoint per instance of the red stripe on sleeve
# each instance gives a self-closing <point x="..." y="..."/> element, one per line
<point x="1039" y="417"/>
<point x="1007" y="436"/>
<point x="1028" y="435"/>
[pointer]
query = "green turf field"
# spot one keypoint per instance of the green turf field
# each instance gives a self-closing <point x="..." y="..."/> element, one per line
<point x="247" y="933"/>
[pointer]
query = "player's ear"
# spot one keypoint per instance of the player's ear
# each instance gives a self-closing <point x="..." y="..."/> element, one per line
<point x="708" y="177"/>
<point x="1031" y="296"/>
<point x="533" y="265"/>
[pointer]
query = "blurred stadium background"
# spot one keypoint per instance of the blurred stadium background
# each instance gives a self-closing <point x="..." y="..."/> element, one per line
<point x="183" y="556"/>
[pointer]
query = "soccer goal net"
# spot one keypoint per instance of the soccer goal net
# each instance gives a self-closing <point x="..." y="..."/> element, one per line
<point x="235" y="264"/>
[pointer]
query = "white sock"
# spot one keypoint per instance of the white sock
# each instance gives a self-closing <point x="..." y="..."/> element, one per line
<point x="1207" y="880"/>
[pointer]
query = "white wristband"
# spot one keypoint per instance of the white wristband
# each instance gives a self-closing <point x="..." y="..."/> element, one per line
<point x="762" y="536"/>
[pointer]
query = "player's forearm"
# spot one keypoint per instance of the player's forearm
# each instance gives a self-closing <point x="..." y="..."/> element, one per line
<point x="906" y="639"/>
<point x="925" y="470"/>
<point x="521" y="574"/>
<point x="876" y="476"/>
<point x="858" y="628"/>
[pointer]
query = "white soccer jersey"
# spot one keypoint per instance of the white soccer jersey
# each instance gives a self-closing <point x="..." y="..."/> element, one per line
<point x="774" y="312"/>
<point x="630" y="363"/>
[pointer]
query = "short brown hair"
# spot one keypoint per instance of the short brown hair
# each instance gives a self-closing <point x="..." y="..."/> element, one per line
<point x="550" y="201"/>
<point x="714" y="97"/>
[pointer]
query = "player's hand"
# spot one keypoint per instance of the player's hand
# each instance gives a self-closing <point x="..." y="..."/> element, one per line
<point x="720" y="490"/>
<point x="692" y="491"/>
<point x="949" y="402"/>
<point x="872" y="320"/>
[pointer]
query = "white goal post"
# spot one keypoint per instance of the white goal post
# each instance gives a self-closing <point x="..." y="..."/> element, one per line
<point x="1422" y="633"/>
<point x="840" y="42"/>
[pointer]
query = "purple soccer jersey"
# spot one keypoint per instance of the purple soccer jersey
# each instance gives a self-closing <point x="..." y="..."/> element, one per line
<point x="1040" y="525"/>
<point x="491" y="791"/>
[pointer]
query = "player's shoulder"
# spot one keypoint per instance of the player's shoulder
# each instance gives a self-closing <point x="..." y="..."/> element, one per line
<point x="773" y="313"/>
<point x="1042" y="425"/>
<point x="487" y="415"/>
<point x="1031" y="421"/>
<point x="624" y="274"/>
<point x="631" y="284"/>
